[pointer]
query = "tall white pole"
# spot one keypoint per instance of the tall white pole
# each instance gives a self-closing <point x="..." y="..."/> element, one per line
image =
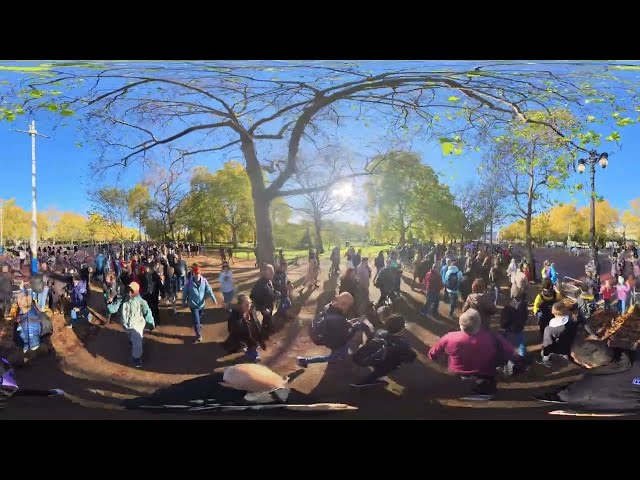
<point x="34" y="211"/>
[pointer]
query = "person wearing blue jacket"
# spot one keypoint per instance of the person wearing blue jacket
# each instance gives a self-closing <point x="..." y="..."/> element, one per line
<point x="452" y="281"/>
<point x="195" y="292"/>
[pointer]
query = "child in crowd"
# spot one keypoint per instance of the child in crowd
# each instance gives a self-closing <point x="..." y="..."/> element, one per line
<point x="543" y="303"/>
<point x="385" y="351"/>
<point x="622" y="293"/>
<point x="226" y="284"/>
<point x="606" y="293"/>
<point x="513" y="319"/>
<point x="559" y="334"/>
<point x="283" y="287"/>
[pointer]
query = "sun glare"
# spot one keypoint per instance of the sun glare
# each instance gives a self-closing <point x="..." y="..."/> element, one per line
<point x="343" y="191"/>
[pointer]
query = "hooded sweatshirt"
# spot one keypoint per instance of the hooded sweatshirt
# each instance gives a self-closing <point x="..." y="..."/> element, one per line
<point x="558" y="336"/>
<point x="135" y="312"/>
<point x="195" y="293"/>
<point x="483" y="303"/>
<point x="453" y="270"/>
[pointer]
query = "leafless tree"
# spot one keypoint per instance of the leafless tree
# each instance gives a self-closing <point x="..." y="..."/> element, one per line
<point x="196" y="108"/>
<point x="313" y="176"/>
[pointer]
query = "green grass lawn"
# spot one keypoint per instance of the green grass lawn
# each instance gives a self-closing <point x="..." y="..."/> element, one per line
<point x="245" y="252"/>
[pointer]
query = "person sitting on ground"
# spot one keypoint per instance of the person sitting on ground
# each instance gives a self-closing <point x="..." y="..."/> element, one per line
<point x="610" y="383"/>
<point x="263" y="296"/>
<point x="481" y="301"/>
<point x="559" y="334"/>
<point x="244" y="330"/>
<point x="136" y="315"/>
<point x="513" y="318"/>
<point x="78" y="297"/>
<point x="32" y="326"/>
<point x="543" y="303"/>
<point x="330" y="328"/>
<point x="473" y="353"/>
<point x="385" y="351"/>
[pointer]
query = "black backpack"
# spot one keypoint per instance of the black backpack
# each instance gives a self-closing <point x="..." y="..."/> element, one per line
<point x="319" y="331"/>
<point x="453" y="281"/>
<point x="372" y="353"/>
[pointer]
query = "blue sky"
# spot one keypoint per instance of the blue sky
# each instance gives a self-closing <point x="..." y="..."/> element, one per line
<point x="64" y="179"/>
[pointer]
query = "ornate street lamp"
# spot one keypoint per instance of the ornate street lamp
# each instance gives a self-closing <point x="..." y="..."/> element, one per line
<point x="603" y="160"/>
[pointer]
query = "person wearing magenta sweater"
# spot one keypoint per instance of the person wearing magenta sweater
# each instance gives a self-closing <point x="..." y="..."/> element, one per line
<point x="622" y="292"/>
<point x="473" y="353"/>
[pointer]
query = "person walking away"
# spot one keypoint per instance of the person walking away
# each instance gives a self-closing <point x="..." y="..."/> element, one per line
<point x="311" y="279"/>
<point x="558" y="335"/>
<point x="513" y="318"/>
<point x="109" y="292"/>
<point x="335" y="261"/>
<point x="171" y="288"/>
<point x="330" y="328"/>
<point x="349" y="256"/>
<point x="223" y="254"/>
<point x="512" y="269"/>
<point x="357" y="258"/>
<point x="385" y="351"/>
<point x="496" y="277"/>
<point x="263" y="297"/>
<point x="363" y="278"/>
<point x="244" y="330"/>
<point x="226" y="284"/>
<point x="181" y="271"/>
<point x="622" y="293"/>
<point x="100" y="262"/>
<point x="452" y="280"/>
<point x="543" y="304"/>
<point x="519" y="284"/>
<point x="349" y="284"/>
<point x="136" y="315"/>
<point x="379" y="263"/>
<point x="385" y="281"/>
<point x="482" y="302"/>
<point x="194" y="294"/>
<point x="152" y="287"/>
<point x="432" y="286"/>
<point x="474" y="353"/>
<point x="553" y="275"/>
<point x="230" y="255"/>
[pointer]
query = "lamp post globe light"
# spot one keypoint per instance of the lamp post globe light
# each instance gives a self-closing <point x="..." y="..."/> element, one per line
<point x="603" y="160"/>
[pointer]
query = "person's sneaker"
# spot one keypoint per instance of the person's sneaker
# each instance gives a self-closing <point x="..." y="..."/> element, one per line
<point x="25" y="349"/>
<point x="137" y="363"/>
<point x="302" y="362"/>
<point x="69" y="325"/>
<point x="423" y="313"/>
<point x="198" y="339"/>
<point x="34" y="348"/>
<point x="372" y="383"/>
<point x="544" y="363"/>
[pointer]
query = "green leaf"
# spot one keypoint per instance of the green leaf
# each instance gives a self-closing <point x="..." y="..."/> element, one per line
<point x="615" y="114"/>
<point x="591" y="118"/>
<point x="22" y="69"/>
<point x="19" y="111"/>
<point x="66" y="112"/>
<point x="52" y="107"/>
<point x="78" y="144"/>
<point x="454" y="99"/>
<point x="614" y="137"/>
<point x="36" y="93"/>
<point x="55" y="92"/>
<point x="9" y="115"/>
<point x="447" y="148"/>
<point x="457" y="151"/>
<point x="623" y="122"/>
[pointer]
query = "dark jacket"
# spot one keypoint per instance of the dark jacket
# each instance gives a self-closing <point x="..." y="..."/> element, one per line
<point x="151" y="284"/>
<point x="348" y="285"/>
<point x="514" y="315"/>
<point x="263" y="294"/>
<point x="613" y="387"/>
<point x="398" y="350"/>
<point x="386" y="279"/>
<point x="244" y="331"/>
<point x="559" y="339"/>
<point x="338" y="329"/>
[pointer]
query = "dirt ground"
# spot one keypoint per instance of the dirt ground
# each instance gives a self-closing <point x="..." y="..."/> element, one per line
<point x="92" y="364"/>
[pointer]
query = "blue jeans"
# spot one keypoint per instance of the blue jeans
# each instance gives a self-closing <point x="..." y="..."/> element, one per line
<point x="181" y="279"/>
<point x="433" y="302"/>
<point x="453" y="297"/>
<point x="196" y="317"/>
<point x="337" y="354"/>
<point x="228" y="297"/>
<point x="42" y="298"/>
<point x="517" y="340"/>
<point x="622" y="306"/>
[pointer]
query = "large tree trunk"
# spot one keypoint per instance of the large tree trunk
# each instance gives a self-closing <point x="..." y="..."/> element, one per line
<point x="261" y="203"/>
<point x="234" y="236"/>
<point x="317" y="223"/>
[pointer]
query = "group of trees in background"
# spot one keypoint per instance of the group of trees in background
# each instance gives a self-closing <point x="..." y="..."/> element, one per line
<point x="55" y="226"/>
<point x="566" y="222"/>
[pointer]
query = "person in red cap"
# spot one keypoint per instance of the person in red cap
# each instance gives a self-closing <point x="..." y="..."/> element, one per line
<point x="194" y="294"/>
<point x="135" y="314"/>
